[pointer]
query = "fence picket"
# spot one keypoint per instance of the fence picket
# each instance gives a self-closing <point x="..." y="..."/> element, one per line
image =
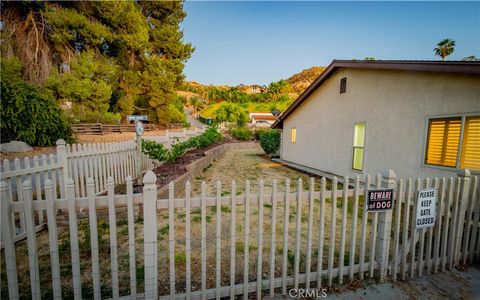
<point x="453" y="225"/>
<point x="112" y="220"/>
<point x="260" y="241"/>
<point x="476" y="215"/>
<point x="273" y="237"/>
<point x="421" y="250"/>
<point x="468" y="227"/>
<point x="218" y="237"/>
<point x="246" y="233"/>
<point x="331" y="241"/>
<point x="286" y="216"/>
<point x="92" y="215"/>
<point x="446" y="228"/>
<point x="74" y="247"/>
<point x="31" y="239"/>
<point x="311" y="190"/>
<point x="75" y="170"/>
<point x="364" y="227"/>
<point x="341" y="256"/>
<point x="413" y="237"/>
<point x="8" y="234"/>
<point x="150" y="235"/>
<point x="461" y="227"/>
<point x="171" y="235"/>
<point x="321" y="233"/>
<point x="438" y="225"/>
<point x="353" y="242"/>
<point x="96" y="168"/>
<point x="430" y="234"/>
<point x="82" y="173"/>
<point x="103" y="162"/>
<point x="406" y="227"/>
<point x="188" y="249"/>
<point x="298" y="231"/>
<point x="373" y="232"/>
<point x="398" y="216"/>
<point x="233" y="237"/>
<point x="204" y="239"/>
<point x="38" y="188"/>
<point x="16" y="166"/>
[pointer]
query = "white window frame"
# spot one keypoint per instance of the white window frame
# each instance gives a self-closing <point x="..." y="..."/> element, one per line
<point x="364" y="147"/>
<point x="457" y="168"/>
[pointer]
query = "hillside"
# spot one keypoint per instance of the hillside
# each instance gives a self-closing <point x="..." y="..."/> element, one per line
<point x="300" y="81"/>
<point x="252" y="98"/>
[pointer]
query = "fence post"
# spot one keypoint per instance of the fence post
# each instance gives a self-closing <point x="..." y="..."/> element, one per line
<point x="8" y="234"/>
<point x="464" y="176"/>
<point x="384" y="225"/>
<point x="62" y="159"/>
<point x="150" y="234"/>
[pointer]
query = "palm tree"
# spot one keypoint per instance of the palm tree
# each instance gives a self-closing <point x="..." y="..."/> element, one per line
<point x="444" y="48"/>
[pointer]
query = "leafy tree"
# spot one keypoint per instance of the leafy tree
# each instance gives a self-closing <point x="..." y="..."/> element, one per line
<point x="130" y="53"/>
<point x="88" y="87"/>
<point x="230" y="112"/>
<point x="277" y="89"/>
<point x="196" y="104"/>
<point x="471" y="58"/>
<point x="444" y="48"/>
<point x="27" y="114"/>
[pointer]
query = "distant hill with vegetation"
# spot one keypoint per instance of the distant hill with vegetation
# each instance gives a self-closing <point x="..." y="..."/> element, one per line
<point x="247" y="98"/>
<point x="300" y="81"/>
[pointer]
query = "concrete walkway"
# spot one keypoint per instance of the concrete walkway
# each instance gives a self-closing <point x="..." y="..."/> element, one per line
<point x="192" y="120"/>
<point x="447" y="285"/>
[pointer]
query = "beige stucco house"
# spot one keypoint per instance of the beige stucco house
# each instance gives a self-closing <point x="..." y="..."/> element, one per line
<point x="418" y="118"/>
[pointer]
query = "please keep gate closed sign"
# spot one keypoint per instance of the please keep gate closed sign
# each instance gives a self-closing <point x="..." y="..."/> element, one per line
<point x="426" y="204"/>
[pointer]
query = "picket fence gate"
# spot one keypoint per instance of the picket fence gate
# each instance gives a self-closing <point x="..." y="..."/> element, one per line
<point x="311" y="255"/>
<point x="79" y="162"/>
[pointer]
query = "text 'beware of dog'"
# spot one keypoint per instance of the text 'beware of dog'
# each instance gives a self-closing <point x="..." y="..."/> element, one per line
<point x="378" y="200"/>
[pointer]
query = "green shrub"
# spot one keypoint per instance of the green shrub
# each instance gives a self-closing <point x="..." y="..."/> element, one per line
<point x="26" y="114"/>
<point x="241" y="133"/>
<point x="270" y="141"/>
<point x="160" y="153"/>
<point x="259" y="132"/>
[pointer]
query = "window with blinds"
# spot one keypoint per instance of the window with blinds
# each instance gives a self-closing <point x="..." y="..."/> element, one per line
<point x="443" y="140"/>
<point x="447" y="146"/>
<point x="470" y="158"/>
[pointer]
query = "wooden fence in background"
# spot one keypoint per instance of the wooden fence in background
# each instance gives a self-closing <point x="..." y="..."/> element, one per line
<point x="99" y="128"/>
<point x="229" y="244"/>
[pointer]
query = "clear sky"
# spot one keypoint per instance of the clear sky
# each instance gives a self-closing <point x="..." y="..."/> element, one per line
<point x="261" y="42"/>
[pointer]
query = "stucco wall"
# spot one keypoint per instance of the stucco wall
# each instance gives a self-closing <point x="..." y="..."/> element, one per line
<point x="395" y="106"/>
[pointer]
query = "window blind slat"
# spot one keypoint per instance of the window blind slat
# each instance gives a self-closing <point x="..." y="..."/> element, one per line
<point x="470" y="158"/>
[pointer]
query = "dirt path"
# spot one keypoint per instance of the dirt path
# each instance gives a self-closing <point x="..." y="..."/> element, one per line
<point x="248" y="162"/>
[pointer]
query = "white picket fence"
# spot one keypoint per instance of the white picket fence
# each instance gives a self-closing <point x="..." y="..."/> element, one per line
<point x="252" y="244"/>
<point x="79" y="162"/>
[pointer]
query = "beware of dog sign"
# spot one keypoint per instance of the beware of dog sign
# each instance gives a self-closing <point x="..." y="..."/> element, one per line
<point x="426" y="203"/>
<point x="378" y="200"/>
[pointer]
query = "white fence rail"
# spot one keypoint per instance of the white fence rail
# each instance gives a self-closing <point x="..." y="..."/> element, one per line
<point x="263" y="241"/>
<point x="98" y="161"/>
